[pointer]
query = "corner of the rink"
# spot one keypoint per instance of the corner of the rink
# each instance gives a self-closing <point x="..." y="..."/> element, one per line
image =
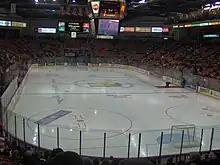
<point x="209" y="92"/>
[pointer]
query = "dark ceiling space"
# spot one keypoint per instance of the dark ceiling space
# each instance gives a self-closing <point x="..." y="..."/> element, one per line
<point x="135" y="9"/>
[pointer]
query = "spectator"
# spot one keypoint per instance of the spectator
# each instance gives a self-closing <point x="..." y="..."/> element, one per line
<point x="66" y="158"/>
<point x="87" y="161"/>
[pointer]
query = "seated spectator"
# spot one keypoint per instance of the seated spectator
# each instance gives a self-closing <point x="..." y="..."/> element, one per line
<point x="135" y="162"/>
<point x="170" y="162"/>
<point x="55" y="152"/>
<point x="66" y="158"/>
<point x="87" y="161"/>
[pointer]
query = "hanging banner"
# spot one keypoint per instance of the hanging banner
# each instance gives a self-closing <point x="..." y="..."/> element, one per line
<point x="13" y="8"/>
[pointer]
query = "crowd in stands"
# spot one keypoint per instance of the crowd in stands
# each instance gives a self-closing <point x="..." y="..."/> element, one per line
<point x="208" y="13"/>
<point x="12" y="153"/>
<point x="198" y="57"/>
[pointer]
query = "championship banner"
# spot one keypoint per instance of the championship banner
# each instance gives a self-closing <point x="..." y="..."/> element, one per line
<point x="95" y="8"/>
<point x="13" y="8"/>
<point x="62" y="10"/>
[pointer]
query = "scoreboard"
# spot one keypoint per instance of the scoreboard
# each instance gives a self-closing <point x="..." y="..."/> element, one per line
<point x="107" y="9"/>
<point x="105" y="16"/>
<point x="110" y="9"/>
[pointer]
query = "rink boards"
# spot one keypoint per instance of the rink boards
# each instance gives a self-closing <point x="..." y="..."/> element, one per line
<point x="148" y="140"/>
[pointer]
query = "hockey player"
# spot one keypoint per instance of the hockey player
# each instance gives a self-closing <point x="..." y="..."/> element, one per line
<point x="167" y="84"/>
<point x="59" y="99"/>
<point x="183" y="82"/>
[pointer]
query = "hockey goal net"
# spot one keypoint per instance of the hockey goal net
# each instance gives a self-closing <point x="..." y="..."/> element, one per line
<point x="184" y="135"/>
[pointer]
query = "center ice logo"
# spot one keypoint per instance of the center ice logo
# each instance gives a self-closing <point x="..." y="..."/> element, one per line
<point x="105" y="84"/>
<point x="102" y="84"/>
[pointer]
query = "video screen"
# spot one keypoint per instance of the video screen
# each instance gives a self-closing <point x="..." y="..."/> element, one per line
<point x="108" y="27"/>
<point x="110" y="9"/>
<point x="74" y="27"/>
<point x="77" y="27"/>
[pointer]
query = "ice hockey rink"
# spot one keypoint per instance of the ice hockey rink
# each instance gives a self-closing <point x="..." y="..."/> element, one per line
<point x="102" y="100"/>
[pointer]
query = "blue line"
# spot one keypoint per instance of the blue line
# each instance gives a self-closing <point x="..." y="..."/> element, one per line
<point x="51" y="118"/>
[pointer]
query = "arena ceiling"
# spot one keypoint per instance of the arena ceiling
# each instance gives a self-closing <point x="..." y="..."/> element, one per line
<point x="135" y="9"/>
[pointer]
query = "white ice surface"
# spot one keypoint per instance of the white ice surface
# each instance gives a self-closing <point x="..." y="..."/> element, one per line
<point x="147" y="110"/>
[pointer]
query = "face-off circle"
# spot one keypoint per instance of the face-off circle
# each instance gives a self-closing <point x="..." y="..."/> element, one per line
<point x="92" y="122"/>
<point x="185" y="115"/>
